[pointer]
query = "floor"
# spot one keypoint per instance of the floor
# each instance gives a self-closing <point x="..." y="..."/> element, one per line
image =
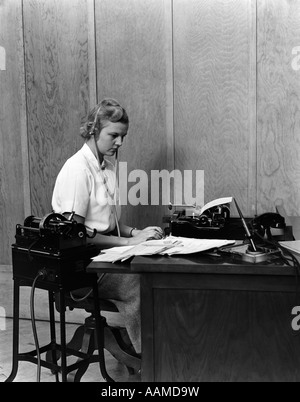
<point x="27" y="372"/>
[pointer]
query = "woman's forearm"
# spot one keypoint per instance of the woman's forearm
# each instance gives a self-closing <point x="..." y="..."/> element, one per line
<point x="127" y="231"/>
<point x="103" y="241"/>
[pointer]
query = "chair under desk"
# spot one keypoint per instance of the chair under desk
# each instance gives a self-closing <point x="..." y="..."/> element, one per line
<point x="205" y="319"/>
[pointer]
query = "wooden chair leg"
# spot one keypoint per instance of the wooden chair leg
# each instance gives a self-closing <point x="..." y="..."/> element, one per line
<point x="112" y="345"/>
<point x="77" y="339"/>
<point x="88" y="348"/>
<point x="74" y="344"/>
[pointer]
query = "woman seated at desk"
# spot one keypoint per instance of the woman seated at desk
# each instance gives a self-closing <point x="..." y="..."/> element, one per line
<point x="87" y="185"/>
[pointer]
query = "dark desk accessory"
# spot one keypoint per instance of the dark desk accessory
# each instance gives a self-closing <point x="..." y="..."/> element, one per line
<point x="243" y="253"/>
<point x="258" y="246"/>
<point x="214" y="223"/>
<point x="258" y="242"/>
<point x="54" y="243"/>
<point x="262" y="225"/>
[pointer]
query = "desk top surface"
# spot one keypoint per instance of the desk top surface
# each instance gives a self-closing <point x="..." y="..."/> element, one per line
<point x="191" y="264"/>
<point x="200" y="263"/>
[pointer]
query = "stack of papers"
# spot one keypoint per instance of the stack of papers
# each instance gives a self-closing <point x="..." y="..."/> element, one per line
<point x="171" y="245"/>
<point x="293" y="246"/>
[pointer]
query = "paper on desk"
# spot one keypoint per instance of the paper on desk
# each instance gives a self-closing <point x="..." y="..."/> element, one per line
<point x="215" y="203"/>
<point x="112" y="254"/>
<point x="123" y="253"/>
<point x="293" y="246"/>
<point x="170" y="245"/>
<point x="191" y="246"/>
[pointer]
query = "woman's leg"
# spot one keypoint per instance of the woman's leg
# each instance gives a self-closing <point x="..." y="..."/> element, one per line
<point x="124" y="291"/>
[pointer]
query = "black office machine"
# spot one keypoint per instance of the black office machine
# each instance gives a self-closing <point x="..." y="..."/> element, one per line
<point x="53" y="243"/>
<point x="52" y="253"/>
<point x="214" y="223"/>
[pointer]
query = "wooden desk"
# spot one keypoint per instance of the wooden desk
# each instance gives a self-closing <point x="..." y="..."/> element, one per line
<point x="206" y="320"/>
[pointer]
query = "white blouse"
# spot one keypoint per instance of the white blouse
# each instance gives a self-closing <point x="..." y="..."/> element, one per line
<point x="81" y="186"/>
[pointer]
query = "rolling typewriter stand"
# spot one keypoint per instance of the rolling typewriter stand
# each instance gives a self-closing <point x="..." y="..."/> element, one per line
<point x="84" y="358"/>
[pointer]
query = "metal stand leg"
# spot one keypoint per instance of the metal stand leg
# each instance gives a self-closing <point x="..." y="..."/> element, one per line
<point x="53" y="348"/>
<point x="16" y="302"/>
<point x="88" y="347"/>
<point x="100" y="335"/>
<point x="53" y="343"/>
<point x="63" y="335"/>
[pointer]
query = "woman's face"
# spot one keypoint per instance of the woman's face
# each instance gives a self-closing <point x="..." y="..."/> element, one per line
<point x="111" y="138"/>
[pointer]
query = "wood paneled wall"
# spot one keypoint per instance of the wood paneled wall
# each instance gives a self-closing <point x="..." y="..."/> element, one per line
<point x="208" y="85"/>
<point x="278" y="105"/>
<point x="214" y="96"/>
<point x="57" y="87"/>
<point x="14" y="173"/>
<point x="134" y="65"/>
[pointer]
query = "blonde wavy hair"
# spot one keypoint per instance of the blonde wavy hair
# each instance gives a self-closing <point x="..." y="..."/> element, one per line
<point x="107" y="110"/>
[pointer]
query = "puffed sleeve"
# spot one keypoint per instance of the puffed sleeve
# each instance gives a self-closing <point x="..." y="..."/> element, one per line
<point x="72" y="190"/>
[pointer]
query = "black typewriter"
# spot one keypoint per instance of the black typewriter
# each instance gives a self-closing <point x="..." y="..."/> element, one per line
<point x="55" y="244"/>
<point x="215" y="223"/>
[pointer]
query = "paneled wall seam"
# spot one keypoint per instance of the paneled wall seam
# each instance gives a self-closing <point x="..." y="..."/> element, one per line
<point x="93" y="93"/>
<point x="95" y="52"/>
<point x="256" y="113"/>
<point x="25" y="142"/>
<point x="173" y="80"/>
<point x="253" y="175"/>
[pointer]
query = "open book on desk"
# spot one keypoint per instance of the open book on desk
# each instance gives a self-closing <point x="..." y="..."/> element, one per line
<point x="171" y="245"/>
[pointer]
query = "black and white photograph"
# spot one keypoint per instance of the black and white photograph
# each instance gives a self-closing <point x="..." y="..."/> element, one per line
<point x="149" y="193"/>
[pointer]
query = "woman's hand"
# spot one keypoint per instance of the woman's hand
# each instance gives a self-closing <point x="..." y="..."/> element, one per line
<point x="149" y="233"/>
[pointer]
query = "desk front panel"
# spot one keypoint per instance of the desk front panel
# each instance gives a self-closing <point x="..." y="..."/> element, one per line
<point x="218" y="328"/>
